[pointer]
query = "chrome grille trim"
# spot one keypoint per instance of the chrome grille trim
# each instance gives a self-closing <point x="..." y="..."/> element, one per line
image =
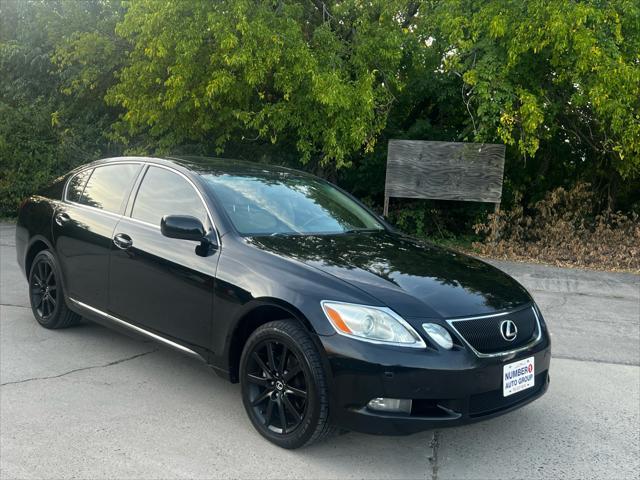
<point x="497" y="354"/>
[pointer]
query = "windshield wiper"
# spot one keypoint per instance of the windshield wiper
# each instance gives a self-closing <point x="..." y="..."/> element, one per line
<point x="285" y="234"/>
<point x="363" y="230"/>
<point x="312" y="234"/>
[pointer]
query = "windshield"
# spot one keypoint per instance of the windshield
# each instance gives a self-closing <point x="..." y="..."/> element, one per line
<point x="288" y="204"/>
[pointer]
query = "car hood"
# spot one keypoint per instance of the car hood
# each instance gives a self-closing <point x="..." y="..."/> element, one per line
<point x="415" y="279"/>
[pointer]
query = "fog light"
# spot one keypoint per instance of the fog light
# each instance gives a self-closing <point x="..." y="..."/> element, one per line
<point x="396" y="405"/>
<point x="439" y="334"/>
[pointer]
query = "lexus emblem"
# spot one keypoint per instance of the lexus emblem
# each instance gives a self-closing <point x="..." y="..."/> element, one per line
<point x="508" y="330"/>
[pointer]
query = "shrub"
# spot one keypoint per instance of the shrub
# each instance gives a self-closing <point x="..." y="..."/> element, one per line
<point x="563" y="229"/>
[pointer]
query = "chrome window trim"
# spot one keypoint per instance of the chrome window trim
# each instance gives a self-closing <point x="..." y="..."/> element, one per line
<point x="93" y="209"/>
<point x="136" y="328"/>
<point x="149" y="163"/>
<point x="66" y="185"/>
<point x="93" y="167"/>
<point x="193" y="185"/>
<point x="535" y="341"/>
<point x="141" y="222"/>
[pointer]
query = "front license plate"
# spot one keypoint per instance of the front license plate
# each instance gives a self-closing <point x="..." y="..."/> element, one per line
<point x="518" y="376"/>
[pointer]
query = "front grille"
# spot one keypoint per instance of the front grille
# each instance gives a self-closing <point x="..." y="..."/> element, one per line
<point x="483" y="334"/>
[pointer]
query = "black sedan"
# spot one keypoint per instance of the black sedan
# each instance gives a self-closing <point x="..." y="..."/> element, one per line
<point x="328" y="317"/>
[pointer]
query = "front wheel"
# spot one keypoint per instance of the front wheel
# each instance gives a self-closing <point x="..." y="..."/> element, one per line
<point x="284" y="388"/>
<point x="46" y="294"/>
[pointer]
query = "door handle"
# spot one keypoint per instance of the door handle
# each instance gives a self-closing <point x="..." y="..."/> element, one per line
<point x="122" y="241"/>
<point x="62" y="218"/>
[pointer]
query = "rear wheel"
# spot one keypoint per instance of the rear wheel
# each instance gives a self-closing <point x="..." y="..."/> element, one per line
<point x="284" y="389"/>
<point x="46" y="294"/>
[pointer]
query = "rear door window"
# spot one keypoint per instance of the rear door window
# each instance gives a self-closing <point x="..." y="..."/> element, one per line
<point x="108" y="186"/>
<point x="164" y="192"/>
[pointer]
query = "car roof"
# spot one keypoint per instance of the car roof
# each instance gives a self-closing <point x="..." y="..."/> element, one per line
<point x="212" y="165"/>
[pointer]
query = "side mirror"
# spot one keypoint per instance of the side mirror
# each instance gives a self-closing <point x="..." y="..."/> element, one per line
<point x="184" y="227"/>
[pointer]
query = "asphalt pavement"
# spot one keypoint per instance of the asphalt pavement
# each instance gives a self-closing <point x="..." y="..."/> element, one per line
<point x="88" y="402"/>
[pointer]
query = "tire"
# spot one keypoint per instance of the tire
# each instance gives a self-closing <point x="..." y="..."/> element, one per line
<point x="273" y="388"/>
<point x="46" y="294"/>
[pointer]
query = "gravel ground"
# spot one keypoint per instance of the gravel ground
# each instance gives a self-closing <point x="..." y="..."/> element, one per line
<point x="88" y="402"/>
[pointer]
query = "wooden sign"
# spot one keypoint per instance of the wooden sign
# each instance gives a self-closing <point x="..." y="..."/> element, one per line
<point x="444" y="171"/>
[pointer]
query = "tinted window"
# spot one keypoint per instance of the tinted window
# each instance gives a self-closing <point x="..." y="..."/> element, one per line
<point x="108" y="186"/>
<point x="288" y="204"/>
<point x="166" y="193"/>
<point x="76" y="185"/>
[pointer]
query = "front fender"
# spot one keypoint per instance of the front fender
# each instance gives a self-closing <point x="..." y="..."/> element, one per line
<point x="248" y="278"/>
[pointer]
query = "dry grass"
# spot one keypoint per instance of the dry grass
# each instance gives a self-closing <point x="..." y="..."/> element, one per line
<point x="562" y="230"/>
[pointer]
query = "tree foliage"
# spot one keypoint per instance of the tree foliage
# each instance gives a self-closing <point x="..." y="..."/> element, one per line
<point x="46" y="127"/>
<point x="319" y="75"/>
<point x="538" y="72"/>
<point x="323" y="85"/>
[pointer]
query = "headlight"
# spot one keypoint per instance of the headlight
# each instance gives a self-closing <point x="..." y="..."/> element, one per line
<point x="372" y="324"/>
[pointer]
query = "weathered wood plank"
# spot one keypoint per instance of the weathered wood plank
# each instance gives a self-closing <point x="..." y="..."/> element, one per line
<point x="445" y="170"/>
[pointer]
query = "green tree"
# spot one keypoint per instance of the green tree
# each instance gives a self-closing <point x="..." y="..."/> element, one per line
<point x="539" y="74"/>
<point x="52" y="116"/>
<point x="29" y="143"/>
<point x="324" y="84"/>
<point x="317" y="75"/>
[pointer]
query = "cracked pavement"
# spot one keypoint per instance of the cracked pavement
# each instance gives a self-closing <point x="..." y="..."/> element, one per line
<point x="115" y="362"/>
<point x="89" y="402"/>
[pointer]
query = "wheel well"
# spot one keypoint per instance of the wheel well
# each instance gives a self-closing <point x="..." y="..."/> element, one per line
<point x="34" y="249"/>
<point x="246" y="326"/>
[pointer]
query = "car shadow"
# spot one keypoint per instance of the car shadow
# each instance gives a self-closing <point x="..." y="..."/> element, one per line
<point x="217" y="417"/>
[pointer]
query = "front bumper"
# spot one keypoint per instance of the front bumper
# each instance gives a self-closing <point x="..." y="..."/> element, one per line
<point x="448" y="388"/>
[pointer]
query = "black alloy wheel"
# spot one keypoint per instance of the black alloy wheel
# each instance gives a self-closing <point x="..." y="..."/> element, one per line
<point x="278" y="391"/>
<point x="44" y="289"/>
<point x="46" y="293"/>
<point x="283" y="385"/>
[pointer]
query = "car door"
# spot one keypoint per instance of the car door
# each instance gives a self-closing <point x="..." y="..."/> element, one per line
<point x="161" y="283"/>
<point x="83" y="227"/>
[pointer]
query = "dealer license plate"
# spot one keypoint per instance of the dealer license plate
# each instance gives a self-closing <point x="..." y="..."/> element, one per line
<point x="518" y="376"/>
